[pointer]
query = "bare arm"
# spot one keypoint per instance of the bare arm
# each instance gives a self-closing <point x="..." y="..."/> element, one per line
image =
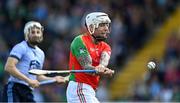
<point x="86" y="62"/>
<point x="10" y="67"/>
<point x="42" y="78"/>
<point x="102" y="67"/>
<point x="104" y="60"/>
<point x="59" y="79"/>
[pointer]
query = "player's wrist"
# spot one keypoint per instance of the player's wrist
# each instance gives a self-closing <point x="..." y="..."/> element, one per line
<point x="55" y="78"/>
<point x="101" y="65"/>
<point x="28" y="80"/>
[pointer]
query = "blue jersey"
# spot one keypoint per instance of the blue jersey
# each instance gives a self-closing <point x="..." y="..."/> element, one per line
<point x="29" y="58"/>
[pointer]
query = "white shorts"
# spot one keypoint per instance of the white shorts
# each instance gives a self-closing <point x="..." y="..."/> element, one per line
<point x="80" y="93"/>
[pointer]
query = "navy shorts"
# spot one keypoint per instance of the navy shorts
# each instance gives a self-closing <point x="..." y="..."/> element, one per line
<point x="16" y="92"/>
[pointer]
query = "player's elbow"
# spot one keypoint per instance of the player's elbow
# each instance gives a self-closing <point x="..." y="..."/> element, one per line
<point x="8" y="68"/>
<point x="10" y="64"/>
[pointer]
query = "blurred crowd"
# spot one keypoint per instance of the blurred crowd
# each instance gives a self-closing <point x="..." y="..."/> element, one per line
<point x="133" y="22"/>
<point x="162" y="84"/>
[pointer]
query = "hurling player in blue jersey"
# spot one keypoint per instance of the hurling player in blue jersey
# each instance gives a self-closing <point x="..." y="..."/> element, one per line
<point x="25" y="56"/>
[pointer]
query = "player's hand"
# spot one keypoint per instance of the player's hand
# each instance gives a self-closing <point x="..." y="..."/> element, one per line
<point x="104" y="71"/>
<point x="100" y="69"/>
<point x="108" y="72"/>
<point x="60" y="79"/>
<point x="33" y="83"/>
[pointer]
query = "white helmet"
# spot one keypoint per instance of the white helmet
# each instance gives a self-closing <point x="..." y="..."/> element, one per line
<point x="28" y="27"/>
<point x="95" y="19"/>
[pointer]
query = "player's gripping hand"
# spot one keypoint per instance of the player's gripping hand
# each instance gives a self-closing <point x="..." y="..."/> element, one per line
<point x="108" y="72"/>
<point x="101" y="70"/>
<point x="60" y="79"/>
<point x="33" y="83"/>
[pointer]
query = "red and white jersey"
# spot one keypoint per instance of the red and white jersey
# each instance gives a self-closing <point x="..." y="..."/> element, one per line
<point x="83" y="45"/>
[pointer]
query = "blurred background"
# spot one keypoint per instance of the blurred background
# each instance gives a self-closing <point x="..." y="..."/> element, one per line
<point x="141" y="31"/>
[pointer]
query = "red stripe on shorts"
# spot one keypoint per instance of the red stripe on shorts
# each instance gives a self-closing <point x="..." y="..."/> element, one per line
<point x="79" y="95"/>
<point x="81" y="87"/>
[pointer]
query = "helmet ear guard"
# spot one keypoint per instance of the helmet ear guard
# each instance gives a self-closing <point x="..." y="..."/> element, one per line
<point x="91" y="28"/>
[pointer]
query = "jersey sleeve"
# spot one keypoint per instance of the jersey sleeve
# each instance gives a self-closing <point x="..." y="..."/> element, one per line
<point x="18" y="51"/>
<point x="78" y="48"/>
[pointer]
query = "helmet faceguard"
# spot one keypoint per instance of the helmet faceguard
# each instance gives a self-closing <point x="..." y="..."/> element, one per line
<point x="27" y="32"/>
<point x="28" y="27"/>
<point x="94" y="19"/>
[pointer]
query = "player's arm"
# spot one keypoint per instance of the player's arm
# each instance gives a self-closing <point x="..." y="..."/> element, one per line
<point x="104" y="60"/>
<point x="10" y="67"/>
<point x="85" y="61"/>
<point x="58" y="79"/>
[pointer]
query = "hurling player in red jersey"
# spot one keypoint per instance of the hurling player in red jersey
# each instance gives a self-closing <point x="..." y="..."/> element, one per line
<point x="89" y="51"/>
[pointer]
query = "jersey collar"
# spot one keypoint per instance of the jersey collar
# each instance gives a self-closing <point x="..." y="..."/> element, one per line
<point x="29" y="45"/>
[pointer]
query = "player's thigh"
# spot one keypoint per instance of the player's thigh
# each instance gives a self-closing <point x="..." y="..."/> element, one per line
<point x="10" y="94"/>
<point x="28" y="98"/>
<point x="89" y="95"/>
<point x="80" y="93"/>
<point x="71" y="91"/>
<point x="26" y="93"/>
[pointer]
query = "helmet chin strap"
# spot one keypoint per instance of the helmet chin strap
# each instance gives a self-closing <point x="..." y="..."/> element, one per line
<point x="99" y="38"/>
